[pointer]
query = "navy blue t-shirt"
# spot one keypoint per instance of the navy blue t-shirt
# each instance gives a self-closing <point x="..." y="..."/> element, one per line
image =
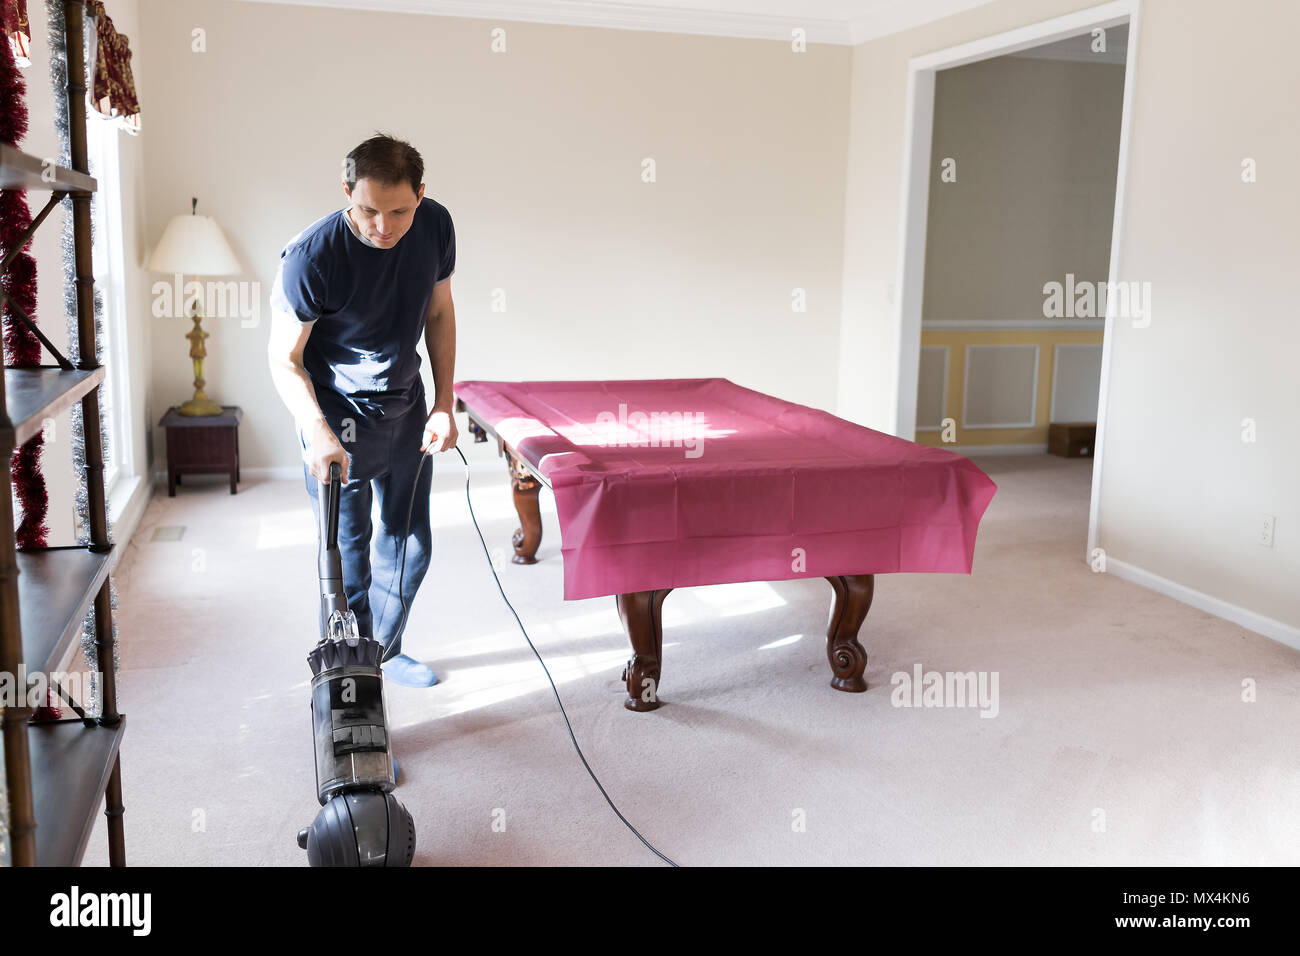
<point x="367" y="307"/>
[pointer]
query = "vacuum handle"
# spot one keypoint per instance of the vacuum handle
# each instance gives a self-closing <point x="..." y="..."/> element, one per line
<point x="329" y="512"/>
<point x="329" y="563"/>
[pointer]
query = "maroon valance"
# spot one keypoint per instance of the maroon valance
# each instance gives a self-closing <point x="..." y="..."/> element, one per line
<point x="17" y="31"/>
<point x="112" y="86"/>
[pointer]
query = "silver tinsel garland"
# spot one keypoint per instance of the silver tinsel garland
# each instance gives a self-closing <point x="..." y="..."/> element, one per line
<point x="58" y="79"/>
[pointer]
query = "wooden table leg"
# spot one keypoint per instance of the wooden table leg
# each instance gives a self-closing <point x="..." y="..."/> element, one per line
<point x="853" y="593"/>
<point x="640" y="614"/>
<point x="528" y="536"/>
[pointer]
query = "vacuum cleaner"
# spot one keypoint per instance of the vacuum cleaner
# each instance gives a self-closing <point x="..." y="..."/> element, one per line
<point x="361" y="822"/>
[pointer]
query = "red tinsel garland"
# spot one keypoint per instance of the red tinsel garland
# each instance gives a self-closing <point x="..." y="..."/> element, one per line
<point x="22" y="348"/>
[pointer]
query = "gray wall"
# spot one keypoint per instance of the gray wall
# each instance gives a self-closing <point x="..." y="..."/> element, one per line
<point x="1035" y="144"/>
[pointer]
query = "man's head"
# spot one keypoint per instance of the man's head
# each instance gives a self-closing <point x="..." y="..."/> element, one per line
<point x="383" y="180"/>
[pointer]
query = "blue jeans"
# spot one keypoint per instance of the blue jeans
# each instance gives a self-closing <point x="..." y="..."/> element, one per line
<point x="383" y="462"/>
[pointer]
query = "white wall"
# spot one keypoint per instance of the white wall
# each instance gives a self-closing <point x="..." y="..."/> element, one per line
<point x="1180" y="492"/>
<point x="537" y="153"/>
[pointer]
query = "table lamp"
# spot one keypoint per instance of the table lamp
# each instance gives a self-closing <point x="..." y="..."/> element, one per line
<point x="195" y="245"/>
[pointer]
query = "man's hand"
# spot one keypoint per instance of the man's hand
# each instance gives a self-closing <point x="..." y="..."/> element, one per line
<point x="439" y="431"/>
<point x="322" y="449"/>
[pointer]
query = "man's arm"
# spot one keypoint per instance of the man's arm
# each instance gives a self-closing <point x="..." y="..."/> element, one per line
<point x="440" y="342"/>
<point x="284" y="358"/>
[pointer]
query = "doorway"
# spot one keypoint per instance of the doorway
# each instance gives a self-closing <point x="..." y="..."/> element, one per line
<point x="1011" y="367"/>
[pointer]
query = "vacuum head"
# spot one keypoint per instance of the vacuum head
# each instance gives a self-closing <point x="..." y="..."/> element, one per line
<point x="360" y="828"/>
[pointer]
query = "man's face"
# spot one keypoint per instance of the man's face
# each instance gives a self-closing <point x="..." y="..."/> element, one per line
<point x="383" y="213"/>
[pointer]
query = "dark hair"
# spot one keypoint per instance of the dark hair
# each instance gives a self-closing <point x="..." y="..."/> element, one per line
<point x="384" y="160"/>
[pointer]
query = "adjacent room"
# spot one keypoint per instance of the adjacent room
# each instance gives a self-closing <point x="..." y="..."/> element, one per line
<point x="760" y="433"/>
<point x="1019" y="224"/>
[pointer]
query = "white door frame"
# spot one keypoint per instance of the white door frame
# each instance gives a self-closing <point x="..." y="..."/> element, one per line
<point x="917" y="135"/>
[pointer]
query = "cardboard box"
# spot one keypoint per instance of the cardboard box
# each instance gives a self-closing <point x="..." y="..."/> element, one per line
<point x="1072" y="439"/>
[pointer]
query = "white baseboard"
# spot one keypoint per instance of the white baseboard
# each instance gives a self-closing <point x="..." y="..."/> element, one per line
<point x="275" y="472"/>
<point x="1252" y="621"/>
<point x="294" y="472"/>
<point x="126" y="504"/>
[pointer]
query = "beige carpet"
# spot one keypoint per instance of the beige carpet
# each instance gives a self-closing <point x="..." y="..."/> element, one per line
<point x="1121" y="736"/>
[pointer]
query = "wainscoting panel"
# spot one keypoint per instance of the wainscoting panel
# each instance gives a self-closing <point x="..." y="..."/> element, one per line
<point x="1016" y="395"/>
<point x="1076" y="382"/>
<point x="1001" y="386"/>
<point x="932" y="389"/>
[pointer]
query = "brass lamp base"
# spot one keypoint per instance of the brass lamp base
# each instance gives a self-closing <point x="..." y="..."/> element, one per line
<point x="200" y="405"/>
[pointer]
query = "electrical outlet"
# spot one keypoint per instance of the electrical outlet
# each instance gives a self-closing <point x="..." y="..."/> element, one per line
<point x="1266" y="531"/>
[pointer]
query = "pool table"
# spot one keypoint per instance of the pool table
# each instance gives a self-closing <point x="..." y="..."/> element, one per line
<point x="670" y="483"/>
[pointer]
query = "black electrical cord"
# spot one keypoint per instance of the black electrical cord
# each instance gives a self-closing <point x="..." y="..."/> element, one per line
<point x="401" y="576"/>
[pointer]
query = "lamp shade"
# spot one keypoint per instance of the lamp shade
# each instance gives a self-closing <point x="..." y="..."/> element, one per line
<point x="194" y="245"/>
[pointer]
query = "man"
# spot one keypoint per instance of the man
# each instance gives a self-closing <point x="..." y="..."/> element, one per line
<point x="354" y="292"/>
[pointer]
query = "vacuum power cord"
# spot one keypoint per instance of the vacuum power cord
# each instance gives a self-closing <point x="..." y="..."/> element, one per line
<point x="401" y="595"/>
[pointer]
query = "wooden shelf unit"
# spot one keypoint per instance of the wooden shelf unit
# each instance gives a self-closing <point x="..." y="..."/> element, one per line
<point x="19" y="170"/>
<point x="58" y="772"/>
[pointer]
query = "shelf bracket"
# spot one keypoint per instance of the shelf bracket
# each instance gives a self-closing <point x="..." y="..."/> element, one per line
<point x="21" y="244"/>
<point x="67" y="699"/>
<point x="64" y="364"/>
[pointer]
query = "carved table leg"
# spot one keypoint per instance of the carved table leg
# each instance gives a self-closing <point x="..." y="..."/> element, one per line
<point x="853" y="593"/>
<point x="640" y="614"/>
<point x="526" y="488"/>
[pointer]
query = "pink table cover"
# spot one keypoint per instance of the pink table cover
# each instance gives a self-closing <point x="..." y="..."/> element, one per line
<point x="747" y="488"/>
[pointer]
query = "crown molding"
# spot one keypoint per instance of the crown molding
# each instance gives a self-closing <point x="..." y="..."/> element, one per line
<point x="895" y="16"/>
<point x="612" y="16"/>
<point x="889" y="16"/>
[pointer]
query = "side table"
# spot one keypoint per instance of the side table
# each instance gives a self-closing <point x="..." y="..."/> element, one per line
<point x="202" y="444"/>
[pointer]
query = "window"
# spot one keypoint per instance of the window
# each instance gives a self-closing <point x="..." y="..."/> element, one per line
<point x="109" y="271"/>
